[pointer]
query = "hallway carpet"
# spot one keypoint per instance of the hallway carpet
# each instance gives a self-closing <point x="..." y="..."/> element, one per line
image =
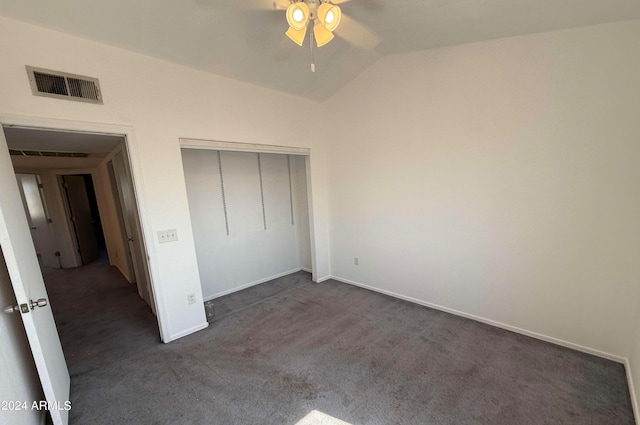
<point x="290" y="349"/>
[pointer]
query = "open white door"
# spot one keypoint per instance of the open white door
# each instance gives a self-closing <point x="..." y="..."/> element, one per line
<point x="28" y="285"/>
<point x="38" y="219"/>
<point x="132" y="227"/>
<point x="83" y="224"/>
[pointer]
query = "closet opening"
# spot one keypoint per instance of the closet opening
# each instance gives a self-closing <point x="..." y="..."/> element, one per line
<point x="250" y="214"/>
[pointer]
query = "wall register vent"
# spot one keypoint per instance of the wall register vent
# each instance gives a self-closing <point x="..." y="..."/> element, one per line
<point x="19" y="152"/>
<point x="62" y="85"/>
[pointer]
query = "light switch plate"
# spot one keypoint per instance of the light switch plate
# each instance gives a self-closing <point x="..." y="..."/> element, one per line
<point x="165" y="236"/>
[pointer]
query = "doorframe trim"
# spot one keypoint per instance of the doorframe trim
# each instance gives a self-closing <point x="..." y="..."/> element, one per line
<point x="128" y="132"/>
<point x="218" y="145"/>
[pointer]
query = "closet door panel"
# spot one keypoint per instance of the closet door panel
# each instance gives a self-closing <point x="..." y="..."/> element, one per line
<point x="204" y="193"/>
<point x="243" y="258"/>
<point x="277" y="200"/>
<point x="281" y="251"/>
<point x="242" y="193"/>
<point x="301" y="210"/>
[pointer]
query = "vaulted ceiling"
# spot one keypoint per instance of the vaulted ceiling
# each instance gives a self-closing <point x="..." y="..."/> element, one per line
<point x="233" y="39"/>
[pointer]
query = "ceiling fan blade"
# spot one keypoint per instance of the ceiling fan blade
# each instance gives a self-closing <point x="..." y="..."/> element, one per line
<point x="368" y="4"/>
<point x="357" y="34"/>
<point x="281" y="4"/>
<point x="284" y="50"/>
<point x="246" y="4"/>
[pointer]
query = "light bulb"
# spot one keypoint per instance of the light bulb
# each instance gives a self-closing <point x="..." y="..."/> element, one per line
<point x="298" y="15"/>
<point x="330" y="17"/>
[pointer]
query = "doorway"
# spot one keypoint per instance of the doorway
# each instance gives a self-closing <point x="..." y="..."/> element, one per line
<point x="249" y="208"/>
<point x="78" y="196"/>
<point x="32" y="304"/>
<point x="84" y="214"/>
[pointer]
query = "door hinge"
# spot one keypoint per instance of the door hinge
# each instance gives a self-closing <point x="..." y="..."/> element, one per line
<point x="49" y="220"/>
<point x="57" y="253"/>
<point x="40" y="186"/>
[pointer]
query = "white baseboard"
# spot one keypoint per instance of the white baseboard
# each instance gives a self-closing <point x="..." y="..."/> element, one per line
<point x="324" y="279"/>
<point x="511" y="328"/>
<point x="304" y="269"/>
<point x="187" y="332"/>
<point x="249" y="285"/>
<point x="632" y="391"/>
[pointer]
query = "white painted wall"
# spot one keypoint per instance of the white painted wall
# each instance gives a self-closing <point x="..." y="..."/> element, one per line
<point x="17" y="370"/>
<point x="176" y="102"/>
<point x="499" y="179"/>
<point x="249" y="254"/>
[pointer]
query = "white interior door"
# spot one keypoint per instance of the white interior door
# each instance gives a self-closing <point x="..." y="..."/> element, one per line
<point x="82" y="218"/>
<point x="28" y="285"/>
<point x="38" y="219"/>
<point x="131" y="221"/>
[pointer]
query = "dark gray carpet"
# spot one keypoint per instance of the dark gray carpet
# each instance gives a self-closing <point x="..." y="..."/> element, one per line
<point x="278" y="351"/>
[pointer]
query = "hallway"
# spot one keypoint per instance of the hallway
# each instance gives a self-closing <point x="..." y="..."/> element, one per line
<point x="99" y="316"/>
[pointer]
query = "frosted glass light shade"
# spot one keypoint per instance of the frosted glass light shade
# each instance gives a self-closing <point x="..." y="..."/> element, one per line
<point x="322" y="35"/>
<point x="297" y="36"/>
<point x="329" y="16"/>
<point x="298" y="15"/>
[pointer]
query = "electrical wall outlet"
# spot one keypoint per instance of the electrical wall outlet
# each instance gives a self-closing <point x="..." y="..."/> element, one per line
<point x="191" y="299"/>
<point x="165" y="236"/>
<point x="356" y="261"/>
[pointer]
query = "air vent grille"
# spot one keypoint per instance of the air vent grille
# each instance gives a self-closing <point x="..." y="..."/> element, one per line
<point x="62" y="85"/>
<point x="19" y="152"/>
<point x="48" y="83"/>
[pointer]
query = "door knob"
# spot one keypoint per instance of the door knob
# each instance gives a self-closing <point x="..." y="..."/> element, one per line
<point x="40" y="302"/>
<point x="12" y="309"/>
<point x="17" y="309"/>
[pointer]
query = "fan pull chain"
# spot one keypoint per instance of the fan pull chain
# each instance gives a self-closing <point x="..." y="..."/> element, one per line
<point x="313" y="62"/>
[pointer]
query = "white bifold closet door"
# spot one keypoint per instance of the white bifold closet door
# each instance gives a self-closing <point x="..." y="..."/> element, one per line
<point x="249" y="216"/>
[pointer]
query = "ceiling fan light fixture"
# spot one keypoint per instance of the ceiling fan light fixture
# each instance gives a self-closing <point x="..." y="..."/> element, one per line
<point x="322" y="34"/>
<point x="329" y="16"/>
<point x="297" y="36"/>
<point x="298" y="15"/>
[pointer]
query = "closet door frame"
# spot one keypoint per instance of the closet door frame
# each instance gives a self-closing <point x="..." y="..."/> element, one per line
<point x="215" y="145"/>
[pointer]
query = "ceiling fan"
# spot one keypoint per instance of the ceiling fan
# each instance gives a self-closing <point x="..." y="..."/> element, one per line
<point x="321" y="18"/>
<point x="325" y="17"/>
<point x="324" y="14"/>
